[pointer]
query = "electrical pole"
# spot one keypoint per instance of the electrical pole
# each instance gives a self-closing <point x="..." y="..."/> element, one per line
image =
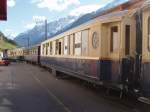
<point x="28" y="41"/>
<point x="45" y="29"/>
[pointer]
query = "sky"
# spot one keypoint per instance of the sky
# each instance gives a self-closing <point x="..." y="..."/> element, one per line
<point x="25" y="14"/>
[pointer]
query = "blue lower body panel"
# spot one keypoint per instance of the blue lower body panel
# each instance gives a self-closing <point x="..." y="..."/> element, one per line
<point x="110" y="70"/>
<point x="103" y="70"/>
<point x="87" y="67"/>
<point x="146" y="76"/>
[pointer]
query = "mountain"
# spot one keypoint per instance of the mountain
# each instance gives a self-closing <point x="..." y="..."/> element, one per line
<point x="37" y="34"/>
<point x="89" y="16"/>
<point x="60" y="25"/>
<point x="111" y="5"/>
<point x="6" y="43"/>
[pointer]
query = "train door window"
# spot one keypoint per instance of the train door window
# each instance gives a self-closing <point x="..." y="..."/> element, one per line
<point x="77" y="44"/>
<point x="65" y="45"/>
<point x="51" y="48"/>
<point x="85" y="35"/>
<point x="114" y="40"/>
<point x="127" y="39"/>
<point x="149" y="33"/>
<point x="59" y="51"/>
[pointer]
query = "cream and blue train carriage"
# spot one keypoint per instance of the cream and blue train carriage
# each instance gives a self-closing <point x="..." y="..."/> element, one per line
<point x="16" y="54"/>
<point x="96" y="50"/>
<point x="145" y="47"/>
<point x="32" y="54"/>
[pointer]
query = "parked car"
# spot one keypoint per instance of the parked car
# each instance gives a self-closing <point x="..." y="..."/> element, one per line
<point x="4" y="61"/>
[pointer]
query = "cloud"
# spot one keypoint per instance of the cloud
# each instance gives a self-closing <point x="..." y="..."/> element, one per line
<point x="55" y="5"/>
<point x="35" y="1"/>
<point x="11" y="3"/>
<point x="36" y="20"/>
<point x="85" y="9"/>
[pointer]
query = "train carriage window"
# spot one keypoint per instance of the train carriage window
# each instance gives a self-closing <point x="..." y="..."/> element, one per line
<point x="54" y="47"/>
<point x="59" y="51"/>
<point x="57" y="47"/>
<point x="51" y="48"/>
<point x="43" y="50"/>
<point x="149" y="33"/>
<point x="114" y="40"/>
<point x="71" y="44"/>
<point x="127" y="39"/>
<point x="47" y="45"/>
<point x="33" y="51"/>
<point x="77" y="44"/>
<point x="85" y="35"/>
<point x="65" y="45"/>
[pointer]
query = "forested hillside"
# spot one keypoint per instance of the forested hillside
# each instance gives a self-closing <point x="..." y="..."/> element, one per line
<point x="6" y="43"/>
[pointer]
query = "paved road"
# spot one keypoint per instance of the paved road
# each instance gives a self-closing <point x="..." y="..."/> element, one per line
<point x="27" y="88"/>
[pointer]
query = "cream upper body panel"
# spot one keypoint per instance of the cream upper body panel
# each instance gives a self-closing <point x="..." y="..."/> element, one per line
<point x="146" y="34"/>
<point x="101" y="25"/>
<point x="116" y="16"/>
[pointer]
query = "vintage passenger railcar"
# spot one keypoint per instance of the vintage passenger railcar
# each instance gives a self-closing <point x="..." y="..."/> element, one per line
<point x="32" y="54"/>
<point x="94" y="51"/>
<point x="111" y="50"/>
<point x="16" y="54"/>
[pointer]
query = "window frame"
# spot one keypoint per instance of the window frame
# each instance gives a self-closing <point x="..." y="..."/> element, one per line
<point x="112" y="30"/>
<point x="46" y="51"/>
<point x="59" y="48"/>
<point x="51" y="48"/>
<point x="148" y="42"/>
<point x="85" y="53"/>
<point x="78" y="44"/>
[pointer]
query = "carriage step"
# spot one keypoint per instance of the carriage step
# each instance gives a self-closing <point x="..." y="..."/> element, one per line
<point x="144" y="100"/>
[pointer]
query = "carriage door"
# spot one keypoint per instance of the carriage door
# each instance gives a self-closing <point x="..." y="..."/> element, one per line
<point x="127" y="61"/>
<point x="39" y="54"/>
<point x="146" y="49"/>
